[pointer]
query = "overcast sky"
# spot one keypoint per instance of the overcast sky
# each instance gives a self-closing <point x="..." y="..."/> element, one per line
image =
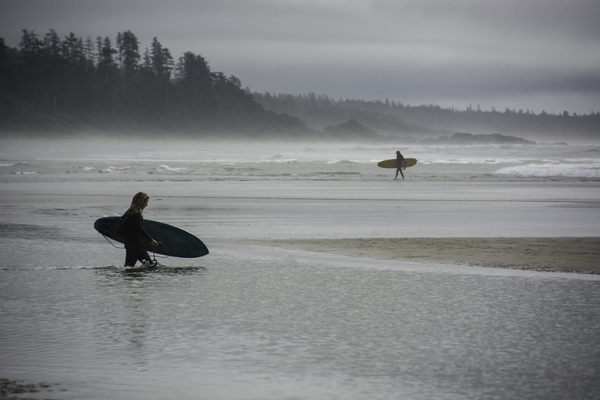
<point x="522" y="54"/>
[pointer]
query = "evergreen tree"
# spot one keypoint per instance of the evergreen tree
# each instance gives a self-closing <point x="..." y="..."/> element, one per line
<point x="30" y="75"/>
<point x="128" y="56"/>
<point x="194" y="82"/>
<point x="162" y="65"/>
<point x="107" y="75"/>
<point x="106" y="63"/>
<point x="52" y="46"/>
<point x="7" y="71"/>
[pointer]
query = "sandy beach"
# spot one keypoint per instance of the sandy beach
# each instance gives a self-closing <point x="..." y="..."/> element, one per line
<point x="566" y="254"/>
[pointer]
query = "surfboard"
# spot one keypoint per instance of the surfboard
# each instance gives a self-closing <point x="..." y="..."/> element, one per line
<point x="393" y="162"/>
<point x="175" y="241"/>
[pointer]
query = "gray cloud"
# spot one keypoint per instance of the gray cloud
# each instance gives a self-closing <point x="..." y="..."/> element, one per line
<point x="538" y="54"/>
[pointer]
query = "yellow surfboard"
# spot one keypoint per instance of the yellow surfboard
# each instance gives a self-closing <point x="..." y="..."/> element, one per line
<point x="392" y="163"/>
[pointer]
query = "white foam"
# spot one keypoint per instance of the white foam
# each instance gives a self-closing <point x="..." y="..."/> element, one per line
<point x="465" y="160"/>
<point x="112" y="169"/>
<point x="166" y="168"/>
<point x="579" y="170"/>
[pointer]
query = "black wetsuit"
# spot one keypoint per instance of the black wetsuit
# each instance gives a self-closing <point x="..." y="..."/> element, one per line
<point x="132" y="226"/>
<point x="400" y="162"/>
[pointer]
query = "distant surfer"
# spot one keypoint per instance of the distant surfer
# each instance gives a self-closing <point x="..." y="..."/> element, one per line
<point x="400" y="162"/>
<point x="132" y="227"/>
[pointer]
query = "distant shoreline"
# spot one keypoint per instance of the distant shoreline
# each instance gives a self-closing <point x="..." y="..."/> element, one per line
<point x="561" y="254"/>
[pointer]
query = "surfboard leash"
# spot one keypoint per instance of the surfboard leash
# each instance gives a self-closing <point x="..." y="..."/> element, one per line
<point x="123" y="248"/>
<point x="164" y="247"/>
<point x="113" y="245"/>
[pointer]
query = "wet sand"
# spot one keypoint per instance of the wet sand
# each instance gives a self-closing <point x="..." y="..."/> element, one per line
<point x="563" y="254"/>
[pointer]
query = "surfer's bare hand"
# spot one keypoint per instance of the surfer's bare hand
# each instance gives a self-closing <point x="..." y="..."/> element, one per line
<point x="154" y="243"/>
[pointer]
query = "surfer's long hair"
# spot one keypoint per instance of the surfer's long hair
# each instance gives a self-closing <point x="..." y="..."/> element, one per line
<point x="138" y="203"/>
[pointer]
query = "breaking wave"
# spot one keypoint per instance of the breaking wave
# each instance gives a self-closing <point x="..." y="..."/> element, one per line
<point x="112" y="169"/>
<point x="166" y="168"/>
<point x="588" y="170"/>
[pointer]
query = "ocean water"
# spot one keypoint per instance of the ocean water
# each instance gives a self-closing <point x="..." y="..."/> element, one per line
<point x="254" y="322"/>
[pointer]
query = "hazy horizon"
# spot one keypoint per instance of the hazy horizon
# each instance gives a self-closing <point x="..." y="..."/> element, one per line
<point x="538" y="55"/>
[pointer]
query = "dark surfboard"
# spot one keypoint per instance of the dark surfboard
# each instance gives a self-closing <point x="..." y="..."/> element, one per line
<point x="175" y="242"/>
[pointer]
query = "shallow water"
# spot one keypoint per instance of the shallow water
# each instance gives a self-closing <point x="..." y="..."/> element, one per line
<point x="249" y="322"/>
<point x="254" y="323"/>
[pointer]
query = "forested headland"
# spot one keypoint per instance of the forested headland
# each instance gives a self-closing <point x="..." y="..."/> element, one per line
<point x="392" y="118"/>
<point x="49" y="84"/>
<point x="54" y="85"/>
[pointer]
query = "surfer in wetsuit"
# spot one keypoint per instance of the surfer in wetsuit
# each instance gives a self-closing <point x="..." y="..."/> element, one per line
<point x="132" y="226"/>
<point x="400" y="162"/>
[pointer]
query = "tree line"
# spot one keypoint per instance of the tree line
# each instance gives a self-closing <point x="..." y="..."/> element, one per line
<point x="109" y="86"/>
<point x="54" y="83"/>
<point x="393" y="118"/>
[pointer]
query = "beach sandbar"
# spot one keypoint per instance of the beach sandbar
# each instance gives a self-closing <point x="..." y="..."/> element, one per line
<point x="562" y="254"/>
